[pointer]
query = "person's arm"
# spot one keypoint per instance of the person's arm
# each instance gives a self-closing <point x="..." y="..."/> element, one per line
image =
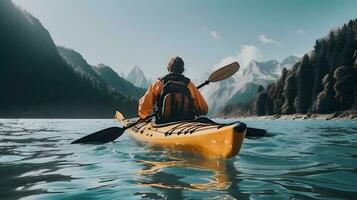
<point x="199" y="102"/>
<point x="147" y="102"/>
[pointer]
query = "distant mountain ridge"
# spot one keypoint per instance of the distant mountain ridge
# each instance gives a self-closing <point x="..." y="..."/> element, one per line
<point x="118" y="83"/>
<point x="79" y="64"/>
<point x="36" y="81"/>
<point x="290" y="61"/>
<point x="101" y="74"/>
<point x="243" y="86"/>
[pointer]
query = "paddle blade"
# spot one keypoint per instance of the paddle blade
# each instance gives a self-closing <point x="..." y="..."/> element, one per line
<point x="255" y="132"/>
<point x="101" y="137"/>
<point x="224" y="72"/>
<point x="118" y="116"/>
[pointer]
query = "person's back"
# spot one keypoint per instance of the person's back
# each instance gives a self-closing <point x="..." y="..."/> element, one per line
<point x="174" y="97"/>
<point x="175" y="102"/>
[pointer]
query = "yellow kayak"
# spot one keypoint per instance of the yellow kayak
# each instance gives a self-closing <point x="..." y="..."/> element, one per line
<point x="202" y="136"/>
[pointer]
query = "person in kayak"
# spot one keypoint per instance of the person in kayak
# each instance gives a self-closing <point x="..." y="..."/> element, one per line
<point x="173" y="97"/>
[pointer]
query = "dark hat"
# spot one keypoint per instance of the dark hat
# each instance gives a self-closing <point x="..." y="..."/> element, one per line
<point x="176" y="65"/>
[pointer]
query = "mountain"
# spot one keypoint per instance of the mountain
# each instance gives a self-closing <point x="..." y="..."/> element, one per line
<point x="289" y="62"/>
<point x="243" y="86"/>
<point x="79" y="64"/>
<point x="100" y="74"/>
<point x="121" y="74"/>
<point x="246" y="93"/>
<point x="323" y="81"/>
<point x="118" y="83"/>
<point x="136" y="76"/>
<point x="261" y="72"/>
<point x="36" y="81"/>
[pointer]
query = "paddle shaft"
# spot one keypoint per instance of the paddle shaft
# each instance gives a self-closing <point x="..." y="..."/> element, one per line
<point x="203" y="84"/>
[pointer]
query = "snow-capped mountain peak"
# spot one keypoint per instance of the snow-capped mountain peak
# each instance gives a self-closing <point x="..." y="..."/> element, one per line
<point x="289" y="62"/>
<point x="136" y="76"/>
<point x="137" y="70"/>
<point x="243" y="86"/>
<point x="265" y="71"/>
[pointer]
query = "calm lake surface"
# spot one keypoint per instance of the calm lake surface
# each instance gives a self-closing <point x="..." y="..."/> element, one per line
<point x="299" y="159"/>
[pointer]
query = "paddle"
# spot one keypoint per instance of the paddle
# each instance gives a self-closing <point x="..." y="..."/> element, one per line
<point x="112" y="133"/>
<point x="221" y="74"/>
<point x="255" y="132"/>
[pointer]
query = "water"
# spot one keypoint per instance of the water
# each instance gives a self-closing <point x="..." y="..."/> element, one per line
<point x="300" y="159"/>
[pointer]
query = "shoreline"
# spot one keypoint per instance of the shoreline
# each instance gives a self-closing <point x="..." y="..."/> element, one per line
<point x="350" y="115"/>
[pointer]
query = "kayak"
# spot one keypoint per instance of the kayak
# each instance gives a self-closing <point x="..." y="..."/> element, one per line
<point x="202" y="136"/>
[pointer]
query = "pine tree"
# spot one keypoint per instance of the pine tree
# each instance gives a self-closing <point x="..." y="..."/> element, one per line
<point x="320" y="66"/>
<point x="260" y="101"/>
<point x="289" y="94"/>
<point x="343" y="87"/>
<point x="305" y="78"/>
<point x="326" y="102"/>
<point x="276" y="93"/>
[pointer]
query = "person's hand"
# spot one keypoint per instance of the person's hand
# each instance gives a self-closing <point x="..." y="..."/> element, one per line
<point x="141" y="120"/>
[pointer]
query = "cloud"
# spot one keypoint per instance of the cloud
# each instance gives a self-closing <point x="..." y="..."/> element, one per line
<point x="215" y="35"/>
<point x="266" y="40"/>
<point x="246" y="54"/>
<point x="300" y="30"/>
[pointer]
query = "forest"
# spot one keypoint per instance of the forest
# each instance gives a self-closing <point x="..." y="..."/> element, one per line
<point x="324" y="81"/>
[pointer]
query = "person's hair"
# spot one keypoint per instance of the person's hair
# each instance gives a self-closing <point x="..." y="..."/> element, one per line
<point x="176" y="65"/>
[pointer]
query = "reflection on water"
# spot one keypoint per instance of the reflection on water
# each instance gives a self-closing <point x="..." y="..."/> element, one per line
<point x="221" y="175"/>
<point x="300" y="159"/>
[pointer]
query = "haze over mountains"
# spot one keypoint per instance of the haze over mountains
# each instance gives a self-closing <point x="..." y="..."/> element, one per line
<point x="243" y="86"/>
<point x="100" y="73"/>
<point x="118" y="83"/>
<point x="37" y="79"/>
<point x="40" y="79"/>
<point x="54" y="81"/>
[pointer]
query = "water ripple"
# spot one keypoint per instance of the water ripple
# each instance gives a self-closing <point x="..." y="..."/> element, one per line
<point x="298" y="160"/>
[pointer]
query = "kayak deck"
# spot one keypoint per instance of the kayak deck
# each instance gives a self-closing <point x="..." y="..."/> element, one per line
<point x="203" y="138"/>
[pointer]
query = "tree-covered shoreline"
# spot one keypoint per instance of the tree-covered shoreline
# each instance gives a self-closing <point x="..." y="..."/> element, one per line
<point x="324" y="81"/>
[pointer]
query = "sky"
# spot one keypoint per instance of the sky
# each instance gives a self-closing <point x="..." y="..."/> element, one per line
<point x="205" y="33"/>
